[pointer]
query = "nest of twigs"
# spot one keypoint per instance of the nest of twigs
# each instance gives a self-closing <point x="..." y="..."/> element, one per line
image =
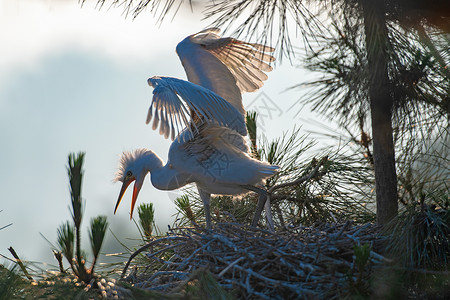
<point x="304" y="262"/>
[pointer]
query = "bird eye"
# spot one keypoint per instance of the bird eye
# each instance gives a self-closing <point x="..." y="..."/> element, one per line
<point x="129" y="174"/>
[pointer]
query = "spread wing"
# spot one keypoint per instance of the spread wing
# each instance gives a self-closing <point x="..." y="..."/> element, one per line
<point x="200" y="104"/>
<point x="226" y="66"/>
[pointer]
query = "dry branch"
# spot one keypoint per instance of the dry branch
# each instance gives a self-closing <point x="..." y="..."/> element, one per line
<point x="20" y="263"/>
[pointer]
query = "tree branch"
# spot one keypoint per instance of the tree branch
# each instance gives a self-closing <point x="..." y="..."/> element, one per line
<point x="300" y="180"/>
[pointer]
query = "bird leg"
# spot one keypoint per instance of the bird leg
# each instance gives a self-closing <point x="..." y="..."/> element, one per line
<point x="269" y="214"/>
<point x="206" y="198"/>
<point x="263" y="201"/>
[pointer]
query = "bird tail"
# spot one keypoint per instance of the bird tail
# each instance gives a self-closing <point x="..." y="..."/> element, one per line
<point x="268" y="170"/>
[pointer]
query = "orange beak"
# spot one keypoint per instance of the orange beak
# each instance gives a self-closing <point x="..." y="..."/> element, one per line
<point x="122" y="192"/>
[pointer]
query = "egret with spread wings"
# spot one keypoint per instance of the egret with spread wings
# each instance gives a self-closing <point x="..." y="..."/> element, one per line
<point x="207" y="126"/>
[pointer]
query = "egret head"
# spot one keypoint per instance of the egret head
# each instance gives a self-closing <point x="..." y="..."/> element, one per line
<point x="131" y="168"/>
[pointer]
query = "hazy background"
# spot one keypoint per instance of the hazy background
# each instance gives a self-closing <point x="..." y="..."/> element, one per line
<point x="73" y="79"/>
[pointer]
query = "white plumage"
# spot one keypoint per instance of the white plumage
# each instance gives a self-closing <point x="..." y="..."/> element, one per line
<point x="211" y="150"/>
<point x="172" y="115"/>
<point x="226" y="66"/>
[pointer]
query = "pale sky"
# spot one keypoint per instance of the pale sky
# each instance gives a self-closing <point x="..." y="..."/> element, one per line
<point x="74" y="79"/>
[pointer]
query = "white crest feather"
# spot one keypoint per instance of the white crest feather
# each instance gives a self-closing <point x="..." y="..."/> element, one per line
<point x="126" y="159"/>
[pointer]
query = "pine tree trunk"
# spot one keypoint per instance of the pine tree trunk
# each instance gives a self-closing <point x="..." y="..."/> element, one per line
<point x="381" y="103"/>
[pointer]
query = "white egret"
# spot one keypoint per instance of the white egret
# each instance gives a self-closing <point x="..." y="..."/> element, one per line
<point x="209" y="148"/>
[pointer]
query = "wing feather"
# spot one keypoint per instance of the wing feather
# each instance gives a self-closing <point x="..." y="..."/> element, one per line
<point x="225" y="66"/>
<point x="155" y="119"/>
<point x="245" y="63"/>
<point x="212" y="138"/>
<point x="169" y="113"/>
<point x="216" y="143"/>
<point x="238" y="56"/>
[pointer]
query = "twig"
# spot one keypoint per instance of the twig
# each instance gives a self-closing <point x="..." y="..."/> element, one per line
<point x="230" y="266"/>
<point x="343" y="229"/>
<point x="20" y="263"/>
<point x="265" y="197"/>
<point x="279" y="214"/>
<point x="59" y="258"/>
<point x="145" y="247"/>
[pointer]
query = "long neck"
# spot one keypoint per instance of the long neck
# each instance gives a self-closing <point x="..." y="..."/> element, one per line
<point x="152" y="162"/>
<point x="163" y="177"/>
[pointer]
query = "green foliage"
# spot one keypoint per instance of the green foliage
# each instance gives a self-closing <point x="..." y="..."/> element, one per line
<point x="420" y="237"/>
<point x="422" y="170"/>
<point x="69" y="237"/>
<point x="97" y="234"/>
<point x="419" y="83"/>
<point x="250" y="121"/>
<point x="75" y="172"/>
<point x="360" y="288"/>
<point x="339" y="190"/>
<point x="200" y="285"/>
<point x="66" y="239"/>
<point x="184" y="207"/>
<point x="417" y="71"/>
<point x="13" y="286"/>
<point x="223" y="208"/>
<point x="203" y="286"/>
<point x="418" y="241"/>
<point x="267" y="21"/>
<point x="288" y="153"/>
<point x="9" y="283"/>
<point x="146" y="213"/>
<point x="362" y="254"/>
